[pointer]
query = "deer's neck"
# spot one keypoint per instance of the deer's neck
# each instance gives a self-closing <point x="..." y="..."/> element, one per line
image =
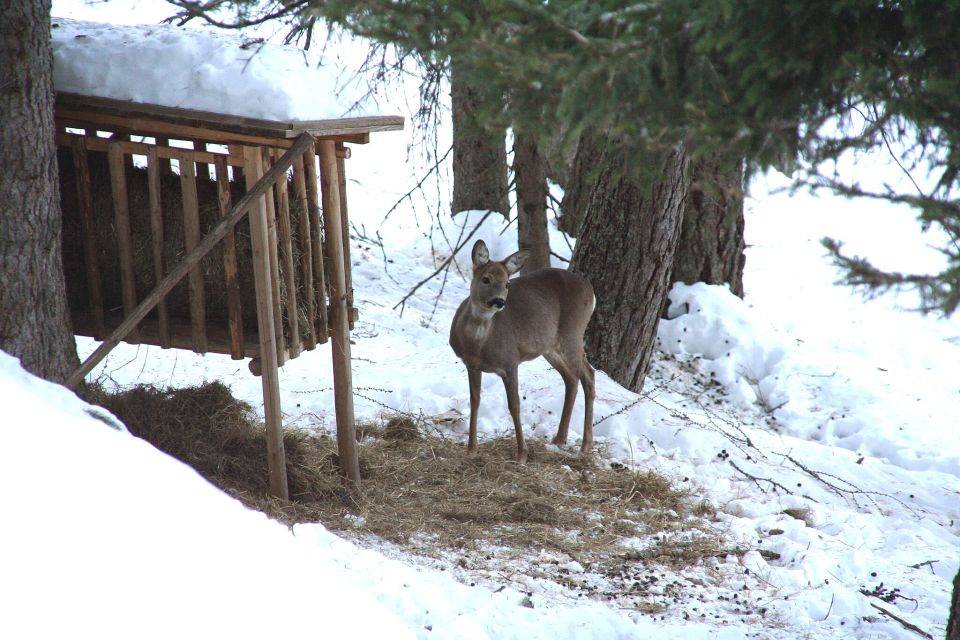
<point x="477" y="323"/>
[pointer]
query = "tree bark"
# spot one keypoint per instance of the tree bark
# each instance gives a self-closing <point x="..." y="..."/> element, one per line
<point x="626" y="247"/>
<point x="34" y="321"/>
<point x="711" y="247"/>
<point x="531" y="185"/>
<point x="953" y="623"/>
<point x="479" y="153"/>
<point x="579" y="185"/>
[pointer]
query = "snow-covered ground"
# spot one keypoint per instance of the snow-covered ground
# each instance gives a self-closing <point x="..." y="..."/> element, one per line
<point x="820" y="426"/>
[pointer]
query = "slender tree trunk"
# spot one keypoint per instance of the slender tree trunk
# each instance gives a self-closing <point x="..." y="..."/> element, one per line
<point x="34" y="322"/>
<point x="531" y="183"/>
<point x="626" y="248"/>
<point x="479" y="153"/>
<point x="711" y="240"/>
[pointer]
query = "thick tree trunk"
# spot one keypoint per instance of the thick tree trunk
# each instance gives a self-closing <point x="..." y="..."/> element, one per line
<point x="953" y="623"/>
<point x="34" y="323"/>
<point x="479" y="153"/>
<point x="530" y="174"/>
<point x="711" y="241"/>
<point x="625" y="249"/>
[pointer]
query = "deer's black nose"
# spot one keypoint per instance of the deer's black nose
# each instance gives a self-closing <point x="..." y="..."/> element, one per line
<point x="499" y="303"/>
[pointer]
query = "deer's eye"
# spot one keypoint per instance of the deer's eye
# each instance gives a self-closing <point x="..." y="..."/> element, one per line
<point x="485" y="279"/>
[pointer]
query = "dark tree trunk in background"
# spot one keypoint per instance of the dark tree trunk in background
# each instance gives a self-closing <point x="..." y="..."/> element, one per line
<point x="711" y="240"/>
<point x="34" y="323"/>
<point x="531" y="184"/>
<point x="479" y="153"/>
<point x="579" y="185"/>
<point x="953" y="623"/>
<point x="625" y="248"/>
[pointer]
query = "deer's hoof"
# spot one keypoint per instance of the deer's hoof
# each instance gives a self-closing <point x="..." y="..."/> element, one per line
<point x="521" y="457"/>
<point x="557" y="440"/>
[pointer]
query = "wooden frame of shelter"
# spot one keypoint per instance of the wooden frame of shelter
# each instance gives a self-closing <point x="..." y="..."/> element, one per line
<point x="279" y="162"/>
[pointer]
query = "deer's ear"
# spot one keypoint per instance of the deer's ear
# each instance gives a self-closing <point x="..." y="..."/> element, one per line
<point x="480" y="254"/>
<point x="515" y="262"/>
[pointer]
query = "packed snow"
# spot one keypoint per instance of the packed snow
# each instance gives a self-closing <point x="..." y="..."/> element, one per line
<point x="821" y="426"/>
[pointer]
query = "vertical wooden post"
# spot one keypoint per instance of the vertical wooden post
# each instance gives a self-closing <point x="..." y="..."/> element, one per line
<point x="88" y="226"/>
<point x="230" y="270"/>
<point x="342" y="154"/>
<point x="265" y="164"/>
<point x="270" y="370"/>
<point x="319" y="260"/>
<point x="295" y="345"/>
<point x="306" y="249"/>
<point x="191" y="233"/>
<point x="154" y="168"/>
<point x="339" y="320"/>
<point x="121" y="213"/>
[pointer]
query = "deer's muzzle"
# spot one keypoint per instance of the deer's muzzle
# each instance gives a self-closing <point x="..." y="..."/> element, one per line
<point x="499" y="303"/>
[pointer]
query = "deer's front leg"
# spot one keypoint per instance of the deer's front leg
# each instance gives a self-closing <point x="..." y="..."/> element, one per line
<point x="473" y="376"/>
<point x="511" y="384"/>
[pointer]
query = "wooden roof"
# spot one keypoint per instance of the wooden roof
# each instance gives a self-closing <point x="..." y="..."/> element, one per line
<point x="81" y="111"/>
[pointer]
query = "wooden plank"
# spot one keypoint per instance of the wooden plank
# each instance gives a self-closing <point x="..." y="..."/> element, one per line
<point x="230" y="270"/>
<point x="226" y="123"/>
<point x="95" y="143"/>
<point x="273" y="250"/>
<point x="266" y="318"/>
<point x="289" y="267"/>
<point x="339" y="320"/>
<point x="88" y="227"/>
<point x="121" y="216"/>
<point x="345" y="224"/>
<point x="191" y="238"/>
<point x="306" y="250"/>
<point x="322" y="330"/>
<point x="154" y="169"/>
<point x="183" y="267"/>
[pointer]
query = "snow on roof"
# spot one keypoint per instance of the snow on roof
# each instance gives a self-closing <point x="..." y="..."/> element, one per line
<point x="202" y="70"/>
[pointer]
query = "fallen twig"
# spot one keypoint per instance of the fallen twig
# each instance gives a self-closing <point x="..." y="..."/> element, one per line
<point x="905" y="623"/>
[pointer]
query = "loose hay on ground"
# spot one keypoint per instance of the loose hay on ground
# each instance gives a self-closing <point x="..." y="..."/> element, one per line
<point x="423" y="486"/>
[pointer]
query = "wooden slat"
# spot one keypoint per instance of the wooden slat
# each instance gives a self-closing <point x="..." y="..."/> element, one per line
<point x="319" y="261"/>
<point x="95" y="143"/>
<point x="345" y="223"/>
<point x="269" y="361"/>
<point x="306" y="250"/>
<point x="154" y="169"/>
<point x="183" y="267"/>
<point x="88" y="227"/>
<point x="232" y="281"/>
<point x="289" y="266"/>
<point x="121" y="214"/>
<point x="340" y="321"/>
<point x="191" y="238"/>
<point x="274" y="259"/>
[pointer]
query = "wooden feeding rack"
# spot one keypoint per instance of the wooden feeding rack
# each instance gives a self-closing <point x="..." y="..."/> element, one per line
<point x="216" y="239"/>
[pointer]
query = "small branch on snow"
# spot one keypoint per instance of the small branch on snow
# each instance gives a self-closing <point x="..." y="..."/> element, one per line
<point x="906" y="625"/>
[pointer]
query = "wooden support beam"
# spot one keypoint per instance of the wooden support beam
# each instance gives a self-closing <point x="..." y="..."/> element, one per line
<point x="121" y="216"/>
<point x="154" y="169"/>
<point x="88" y="226"/>
<point x="165" y="152"/>
<point x="230" y="269"/>
<point x="340" y="321"/>
<point x="304" y="238"/>
<point x="266" y="321"/>
<point x="342" y="155"/>
<point x="273" y="252"/>
<point x="285" y="233"/>
<point x="316" y="240"/>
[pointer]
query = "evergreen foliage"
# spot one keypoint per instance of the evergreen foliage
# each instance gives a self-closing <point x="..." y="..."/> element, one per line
<point x="790" y="84"/>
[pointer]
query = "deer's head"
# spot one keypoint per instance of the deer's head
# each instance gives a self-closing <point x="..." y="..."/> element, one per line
<point x="488" y="290"/>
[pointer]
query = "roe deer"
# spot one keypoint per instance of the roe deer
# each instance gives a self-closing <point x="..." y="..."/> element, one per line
<point x="545" y="314"/>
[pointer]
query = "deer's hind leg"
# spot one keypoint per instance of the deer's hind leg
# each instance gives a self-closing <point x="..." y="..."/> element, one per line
<point x="588" y="380"/>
